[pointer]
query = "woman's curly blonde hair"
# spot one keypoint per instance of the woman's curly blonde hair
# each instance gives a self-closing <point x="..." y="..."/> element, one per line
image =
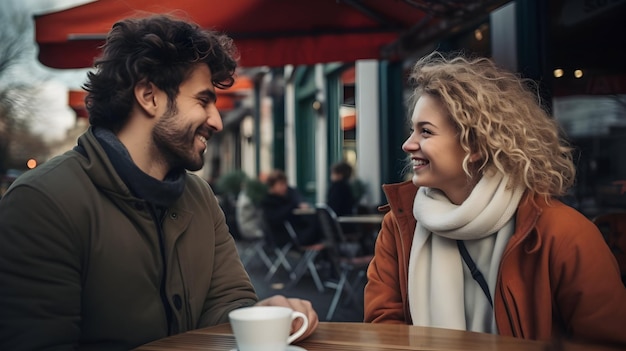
<point x="500" y="117"/>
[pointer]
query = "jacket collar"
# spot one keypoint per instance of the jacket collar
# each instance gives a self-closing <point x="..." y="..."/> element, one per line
<point x="400" y="198"/>
<point x="113" y="169"/>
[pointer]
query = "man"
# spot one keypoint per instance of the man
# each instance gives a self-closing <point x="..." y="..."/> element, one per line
<point x="113" y="244"/>
<point x="277" y="207"/>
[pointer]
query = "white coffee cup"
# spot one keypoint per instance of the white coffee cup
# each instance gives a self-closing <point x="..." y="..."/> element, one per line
<point x="265" y="328"/>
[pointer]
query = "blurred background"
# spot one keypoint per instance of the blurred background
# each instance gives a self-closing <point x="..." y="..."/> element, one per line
<point x="325" y="80"/>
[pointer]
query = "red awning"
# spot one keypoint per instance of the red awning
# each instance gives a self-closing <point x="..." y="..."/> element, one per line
<point x="266" y="32"/>
<point x="226" y="98"/>
<point x="77" y="102"/>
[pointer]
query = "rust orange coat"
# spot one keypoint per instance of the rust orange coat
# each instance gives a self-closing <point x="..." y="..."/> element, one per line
<point x="557" y="276"/>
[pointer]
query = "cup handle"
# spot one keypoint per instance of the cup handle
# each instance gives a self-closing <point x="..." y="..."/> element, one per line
<point x="303" y="328"/>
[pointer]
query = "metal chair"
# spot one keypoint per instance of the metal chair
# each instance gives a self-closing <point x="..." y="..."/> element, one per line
<point x="252" y="249"/>
<point x="346" y="258"/>
<point x="277" y="253"/>
<point x="308" y="255"/>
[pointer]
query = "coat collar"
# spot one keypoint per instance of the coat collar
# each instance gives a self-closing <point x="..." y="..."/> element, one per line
<point x="400" y="198"/>
<point x="102" y="144"/>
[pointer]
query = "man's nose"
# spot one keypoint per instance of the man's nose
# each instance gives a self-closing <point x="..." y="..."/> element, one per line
<point x="214" y="119"/>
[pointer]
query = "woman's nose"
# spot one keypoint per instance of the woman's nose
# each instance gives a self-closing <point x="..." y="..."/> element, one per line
<point x="410" y="144"/>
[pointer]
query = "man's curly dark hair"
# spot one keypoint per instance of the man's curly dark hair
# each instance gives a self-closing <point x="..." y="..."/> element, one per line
<point x="160" y="49"/>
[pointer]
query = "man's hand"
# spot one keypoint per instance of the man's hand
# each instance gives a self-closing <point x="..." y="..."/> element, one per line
<point x="295" y="304"/>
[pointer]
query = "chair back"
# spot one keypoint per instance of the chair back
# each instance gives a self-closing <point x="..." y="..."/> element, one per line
<point x="347" y="260"/>
<point x="330" y="226"/>
<point x="308" y="256"/>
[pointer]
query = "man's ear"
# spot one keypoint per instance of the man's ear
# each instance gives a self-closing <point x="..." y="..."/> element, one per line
<point x="145" y="95"/>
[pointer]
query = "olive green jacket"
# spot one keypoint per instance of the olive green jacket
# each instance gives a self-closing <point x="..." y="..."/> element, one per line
<point x="81" y="265"/>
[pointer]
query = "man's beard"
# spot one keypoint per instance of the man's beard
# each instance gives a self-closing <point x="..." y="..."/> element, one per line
<point x="176" y="144"/>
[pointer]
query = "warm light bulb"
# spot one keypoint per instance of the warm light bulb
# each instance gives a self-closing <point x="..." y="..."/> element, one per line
<point x="578" y="73"/>
<point x="32" y="163"/>
<point x="558" y="73"/>
<point x="478" y="34"/>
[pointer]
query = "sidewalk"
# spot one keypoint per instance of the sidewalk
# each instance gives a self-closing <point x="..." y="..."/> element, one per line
<point x="305" y="289"/>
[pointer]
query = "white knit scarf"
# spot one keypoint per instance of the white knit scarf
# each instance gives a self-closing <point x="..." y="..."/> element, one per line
<point x="442" y="293"/>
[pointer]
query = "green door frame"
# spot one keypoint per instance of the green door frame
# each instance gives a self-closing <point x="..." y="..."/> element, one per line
<point x="334" y="96"/>
<point x="305" y="127"/>
<point x="278" y="111"/>
<point x="393" y="124"/>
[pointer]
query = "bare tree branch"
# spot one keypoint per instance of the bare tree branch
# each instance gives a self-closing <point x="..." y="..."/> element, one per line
<point x="19" y="107"/>
<point x="14" y="36"/>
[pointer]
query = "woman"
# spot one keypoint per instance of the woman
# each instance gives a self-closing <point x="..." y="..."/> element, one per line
<point x="488" y="166"/>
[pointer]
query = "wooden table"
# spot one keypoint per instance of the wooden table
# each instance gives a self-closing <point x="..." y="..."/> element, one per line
<point x="364" y="219"/>
<point x="338" y="336"/>
<point x="363" y="228"/>
<point x="304" y="211"/>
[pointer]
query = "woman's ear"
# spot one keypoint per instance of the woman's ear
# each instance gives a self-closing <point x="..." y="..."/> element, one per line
<point x="474" y="157"/>
<point x="145" y="95"/>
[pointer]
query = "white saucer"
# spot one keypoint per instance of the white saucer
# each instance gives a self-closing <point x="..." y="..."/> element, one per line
<point x="289" y="348"/>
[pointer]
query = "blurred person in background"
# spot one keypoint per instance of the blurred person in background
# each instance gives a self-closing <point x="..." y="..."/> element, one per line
<point x="248" y="211"/>
<point x="278" y="207"/>
<point x="478" y="240"/>
<point x="340" y="197"/>
<point x="114" y="244"/>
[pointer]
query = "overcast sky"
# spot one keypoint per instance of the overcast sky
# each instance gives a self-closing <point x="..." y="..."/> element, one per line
<point x="43" y="6"/>
<point x="31" y="69"/>
<point x="54" y="84"/>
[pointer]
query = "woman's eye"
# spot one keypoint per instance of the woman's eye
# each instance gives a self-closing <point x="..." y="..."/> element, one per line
<point x="426" y="131"/>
